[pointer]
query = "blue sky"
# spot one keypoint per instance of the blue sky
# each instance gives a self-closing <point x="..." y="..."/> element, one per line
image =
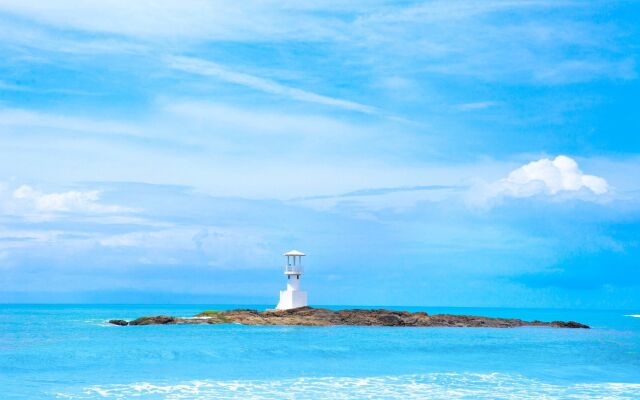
<point x="453" y="153"/>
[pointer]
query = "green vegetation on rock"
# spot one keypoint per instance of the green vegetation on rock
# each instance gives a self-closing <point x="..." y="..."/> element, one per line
<point x="214" y="314"/>
<point x="209" y="313"/>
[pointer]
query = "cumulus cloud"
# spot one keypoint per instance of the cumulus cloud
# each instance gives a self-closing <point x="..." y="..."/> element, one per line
<point x="560" y="176"/>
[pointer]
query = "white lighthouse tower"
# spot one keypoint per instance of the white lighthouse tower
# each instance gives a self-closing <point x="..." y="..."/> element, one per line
<point x="293" y="297"/>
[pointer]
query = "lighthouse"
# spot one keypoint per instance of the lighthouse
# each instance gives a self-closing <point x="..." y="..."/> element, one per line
<point x="293" y="297"/>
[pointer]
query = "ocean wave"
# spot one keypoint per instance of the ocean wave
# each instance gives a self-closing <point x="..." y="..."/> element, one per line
<point x="94" y="322"/>
<point x="633" y="315"/>
<point x="432" y="386"/>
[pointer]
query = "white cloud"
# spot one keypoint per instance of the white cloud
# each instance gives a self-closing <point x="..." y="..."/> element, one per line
<point x="31" y="201"/>
<point x="36" y="121"/>
<point x="521" y="47"/>
<point x="536" y="46"/>
<point x="560" y="176"/>
<point x="247" y="20"/>
<point x="184" y="19"/>
<point x="480" y="105"/>
<point x="208" y="68"/>
<point x="215" y="148"/>
<point x="212" y="245"/>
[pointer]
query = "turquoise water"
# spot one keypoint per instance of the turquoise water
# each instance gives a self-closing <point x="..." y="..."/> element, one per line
<point x="69" y="352"/>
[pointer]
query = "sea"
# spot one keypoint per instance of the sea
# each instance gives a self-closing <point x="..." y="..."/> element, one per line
<point x="71" y="352"/>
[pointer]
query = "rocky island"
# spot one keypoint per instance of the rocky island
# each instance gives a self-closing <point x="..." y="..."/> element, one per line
<point x="308" y="316"/>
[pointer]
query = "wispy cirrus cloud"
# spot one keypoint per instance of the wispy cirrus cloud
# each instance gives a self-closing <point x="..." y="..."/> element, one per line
<point x="537" y="42"/>
<point x="33" y="120"/>
<point x="532" y="42"/>
<point x="381" y="191"/>
<point x="479" y="105"/>
<point x="212" y="69"/>
<point x="186" y="20"/>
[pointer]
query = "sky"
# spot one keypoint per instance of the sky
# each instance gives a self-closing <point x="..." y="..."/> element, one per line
<point x="438" y="153"/>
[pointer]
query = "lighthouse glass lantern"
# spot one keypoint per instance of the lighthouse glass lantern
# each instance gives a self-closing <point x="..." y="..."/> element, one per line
<point x="293" y="297"/>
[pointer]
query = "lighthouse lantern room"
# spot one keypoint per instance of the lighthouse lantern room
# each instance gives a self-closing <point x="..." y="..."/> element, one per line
<point x="293" y="297"/>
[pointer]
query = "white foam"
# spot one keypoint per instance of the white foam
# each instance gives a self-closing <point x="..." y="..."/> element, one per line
<point x="96" y="322"/>
<point x="432" y="386"/>
<point x="633" y="315"/>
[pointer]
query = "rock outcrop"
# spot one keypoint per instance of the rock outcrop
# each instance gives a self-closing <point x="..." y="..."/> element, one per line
<point x="308" y="316"/>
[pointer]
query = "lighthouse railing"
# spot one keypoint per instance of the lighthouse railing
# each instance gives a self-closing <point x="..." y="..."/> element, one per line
<point x="293" y="269"/>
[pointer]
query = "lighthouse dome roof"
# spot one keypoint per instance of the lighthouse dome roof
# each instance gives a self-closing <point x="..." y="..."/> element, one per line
<point x="294" y="253"/>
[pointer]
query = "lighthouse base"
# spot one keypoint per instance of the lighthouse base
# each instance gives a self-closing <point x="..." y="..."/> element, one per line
<point x="292" y="299"/>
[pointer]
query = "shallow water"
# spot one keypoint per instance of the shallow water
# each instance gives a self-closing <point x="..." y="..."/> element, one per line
<point x="69" y="352"/>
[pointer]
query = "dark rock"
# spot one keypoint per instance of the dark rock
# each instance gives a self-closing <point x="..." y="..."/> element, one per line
<point x="120" y="322"/>
<point x="307" y="316"/>
<point x="391" y="320"/>
<point x="157" y="320"/>
<point x="570" y="324"/>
